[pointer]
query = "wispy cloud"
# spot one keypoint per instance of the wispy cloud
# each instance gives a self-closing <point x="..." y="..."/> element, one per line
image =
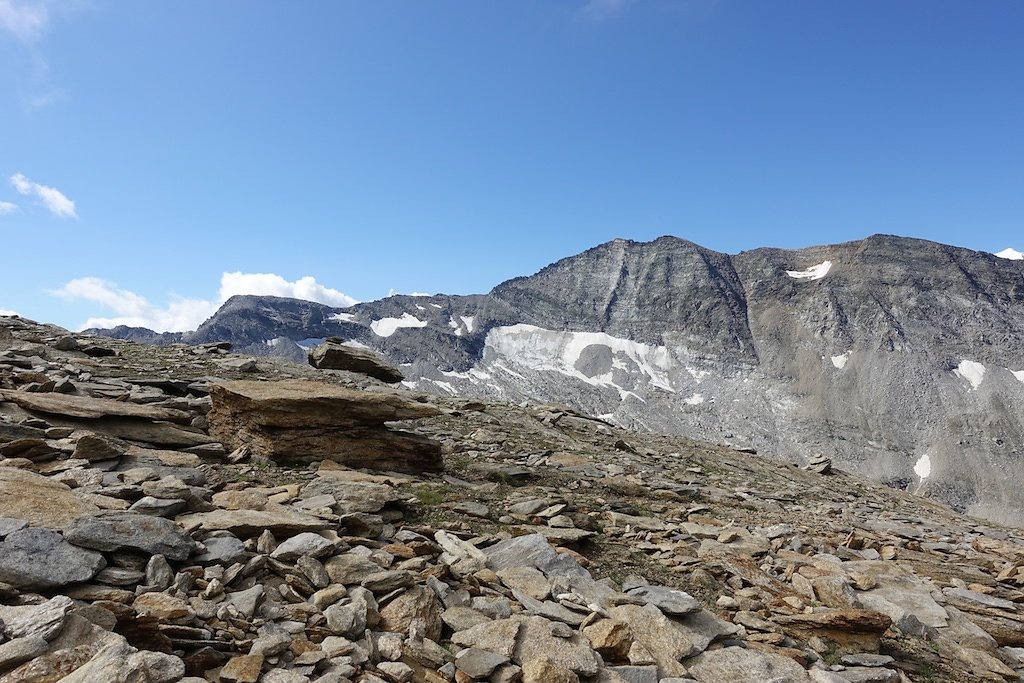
<point x="183" y="314"/>
<point x="600" y="10"/>
<point x="4" y="311"/>
<point x="7" y="207"/>
<point x="53" y="199"/>
<point x="26" y="20"/>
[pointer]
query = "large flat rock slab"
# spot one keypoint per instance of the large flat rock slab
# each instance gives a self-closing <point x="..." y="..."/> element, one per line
<point x="302" y="420"/>
<point x="300" y="403"/>
<point x="38" y="500"/>
<point x="89" y="407"/>
<point x="245" y="523"/>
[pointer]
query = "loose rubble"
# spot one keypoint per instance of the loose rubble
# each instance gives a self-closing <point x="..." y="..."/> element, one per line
<point x="551" y="547"/>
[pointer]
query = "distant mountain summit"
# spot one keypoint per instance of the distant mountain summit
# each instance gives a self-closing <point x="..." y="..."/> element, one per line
<point x="900" y="358"/>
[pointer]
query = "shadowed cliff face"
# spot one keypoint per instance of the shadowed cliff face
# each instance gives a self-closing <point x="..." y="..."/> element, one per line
<point x="885" y="354"/>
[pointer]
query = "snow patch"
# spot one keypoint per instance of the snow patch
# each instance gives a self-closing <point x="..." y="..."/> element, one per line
<point x="468" y="321"/>
<point x="356" y="344"/>
<point x="971" y="371"/>
<point x="420" y="308"/>
<point x="343" y="317"/>
<point x="444" y="385"/>
<point x="437" y="306"/>
<point x="385" y="327"/>
<point x="311" y="343"/>
<point x="1019" y="374"/>
<point x="813" y="273"/>
<point x="923" y="466"/>
<point x="558" y="351"/>
<point x="840" y="361"/>
<point x="1011" y="254"/>
<point x="694" y="400"/>
<point x="698" y="375"/>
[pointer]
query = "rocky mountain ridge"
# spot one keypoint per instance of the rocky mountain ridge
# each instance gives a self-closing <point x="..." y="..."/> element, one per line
<point x="553" y="546"/>
<point x="899" y="358"/>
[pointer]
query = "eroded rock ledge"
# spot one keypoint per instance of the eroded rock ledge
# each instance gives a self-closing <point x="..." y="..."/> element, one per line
<point x="299" y="420"/>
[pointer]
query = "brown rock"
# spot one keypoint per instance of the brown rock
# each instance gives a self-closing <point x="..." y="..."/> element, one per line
<point x="853" y="630"/>
<point x="333" y="355"/>
<point x="416" y="603"/>
<point x="242" y="669"/>
<point x="304" y="420"/>
<point x="38" y="500"/>
<point x="542" y="670"/>
<point x="612" y="639"/>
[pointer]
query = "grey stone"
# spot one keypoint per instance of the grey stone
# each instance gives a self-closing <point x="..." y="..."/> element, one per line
<point x="477" y="663"/>
<point x="19" y="650"/>
<point x="308" y="544"/>
<point x="113" y="530"/>
<point x="45" y="620"/>
<point x="668" y="600"/>
<point x="40" y="558"/>
<point x="740" y="664"/>
<point x="532" y="550"/>
<point x="223" y="548"/>
<point x="333" y="355"/>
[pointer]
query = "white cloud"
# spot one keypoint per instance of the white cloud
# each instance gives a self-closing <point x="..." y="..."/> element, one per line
<point x="50" y="197"/>
<point x="4" y="311"/>
<point x="183" y="314"/>
<point x="25" y="19"/>
<point x="269" y="284"/>
<point x="1011" y="254"/>
<point x="599" y="10"/>
<point x="7" y="207"/>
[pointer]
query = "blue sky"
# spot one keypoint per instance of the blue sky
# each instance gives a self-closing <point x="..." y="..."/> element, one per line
<point x="158" y="156"/>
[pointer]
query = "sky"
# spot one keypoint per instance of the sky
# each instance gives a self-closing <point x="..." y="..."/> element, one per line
<point x="157" y="157"/>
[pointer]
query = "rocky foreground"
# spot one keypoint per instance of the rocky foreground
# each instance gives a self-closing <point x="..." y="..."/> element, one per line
<point x="180" y="514"/>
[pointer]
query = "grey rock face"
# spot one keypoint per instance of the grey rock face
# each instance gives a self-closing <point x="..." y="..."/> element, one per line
<point x="897" y="358"/>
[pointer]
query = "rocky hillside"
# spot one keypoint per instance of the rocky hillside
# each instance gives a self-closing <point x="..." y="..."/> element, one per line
<point x="183" y="514"/>
<point x="901" y="359"/>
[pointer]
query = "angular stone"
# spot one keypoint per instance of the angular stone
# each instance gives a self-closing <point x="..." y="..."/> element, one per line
<point x="536" y="641"/>
<point x="19" y="650"/>
<point x="278" y="519"/>
<point x="119" y="662"/>
<point x="542" y="669"/>
<point x="417" y="603"/>
<point x="113" y="530"/>
<point x="350" y="568"/>
<point x="610" y="638"/>
<point x="162" y="606"/>
<point x="242" y="669"/>
<point x="45" y="620"/>
<point x="88" y="407"/>
<point x="532" y="550"/>
<point x="494" y="636"/>
<point x="668" y="600"/>
<point x="38" y="500"/>
<point x="333" y="355"/>
<point x="527" y="580"/>
<point x="477" y="663"/>
<point x="305" y="544"/>
<point x="741" y="664"/>
<point x="97" y="447"/>
<point x="40" y="558"/>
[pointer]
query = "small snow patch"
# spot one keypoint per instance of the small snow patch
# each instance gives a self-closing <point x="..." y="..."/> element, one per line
<point x="468" y="321"/>
<point x="436" y="305"/>
<point x="385" y="327"/>
<point x="840" y="361"/>
<point x="694" y="400"/>
<point x="923" y="466"/>
<point x="970" y="371"/>
<point x="1019" y="374"/>
<point x="1011" y="254"/>
<point x="343" y="317"/>
<point x="813" y="273"/>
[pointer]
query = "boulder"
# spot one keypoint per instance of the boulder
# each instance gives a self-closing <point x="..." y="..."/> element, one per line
<point x="333" y="355"/>
<point x="40" y="558"/>
<point x="114" y="530"/>
<point x="301" y="420"/>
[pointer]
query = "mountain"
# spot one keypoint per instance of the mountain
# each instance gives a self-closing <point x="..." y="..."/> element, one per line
<point x="898" y="358"/>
